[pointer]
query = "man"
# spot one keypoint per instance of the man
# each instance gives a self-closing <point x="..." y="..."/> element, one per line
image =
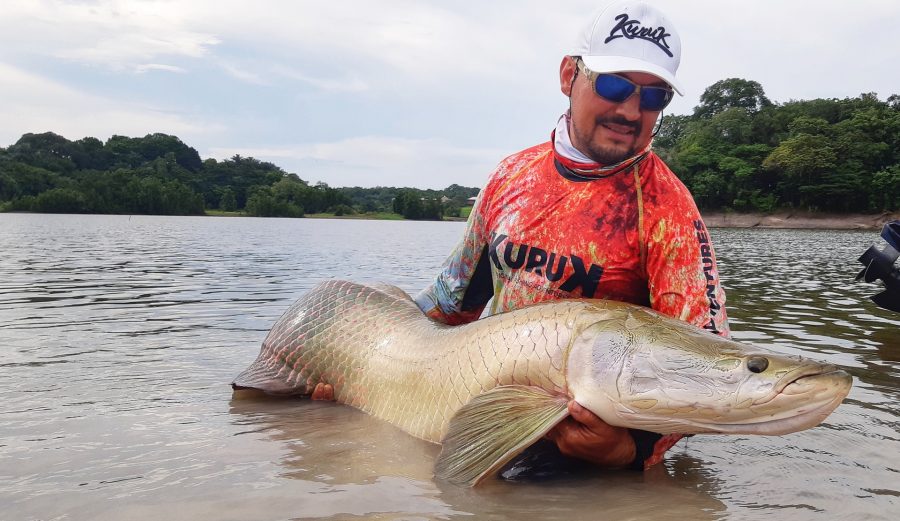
<point x="593" y="213"/>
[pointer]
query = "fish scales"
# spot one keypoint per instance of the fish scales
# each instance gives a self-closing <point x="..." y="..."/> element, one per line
<point x="383" y="356"/>
<point x="500" y="383"/>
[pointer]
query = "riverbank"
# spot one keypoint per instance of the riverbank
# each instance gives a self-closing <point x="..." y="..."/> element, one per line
<point x="786" y="220"/>
<point x="378" y="216"/>
<point x="799" y="220"/>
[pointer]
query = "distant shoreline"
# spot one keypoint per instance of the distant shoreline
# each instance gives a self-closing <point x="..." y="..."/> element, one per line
<point x="799" y="220"/>
<point x="777" y="220"/>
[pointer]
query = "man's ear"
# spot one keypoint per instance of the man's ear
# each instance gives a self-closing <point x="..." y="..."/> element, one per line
<point x="567" y="70"/>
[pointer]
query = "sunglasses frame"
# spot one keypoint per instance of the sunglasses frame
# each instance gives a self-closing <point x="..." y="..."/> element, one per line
<point x="593" y="75"/>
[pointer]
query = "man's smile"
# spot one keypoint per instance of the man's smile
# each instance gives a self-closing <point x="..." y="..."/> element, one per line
<point x="619" y="131"/>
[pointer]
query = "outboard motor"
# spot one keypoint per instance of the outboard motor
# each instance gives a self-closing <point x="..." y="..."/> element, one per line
<point x="880" y="265"/>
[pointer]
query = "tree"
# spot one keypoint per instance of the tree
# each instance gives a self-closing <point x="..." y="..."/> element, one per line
<point x="227" y="202"/>
<point x="89" y="154"/>
<point x="885" y="192"/>
<point x="134" y="152"/>
<point x="59" y="200"/>
<point x="409" y="204"/>
<point x="342" y="209"/>
<point x="240" y="173"/>
<point x="432" y="209"/>
<point x="30" y="180"/>
<point x="894" y="101"/>
<point x="412" y="205"/>
<point x="9" y="188"/>
<point x="263" y="202"/>
<point x="671" y="131"/>
<point x="731" y="93"/>
<point x="801" y="161"/>
<point x="47" y="150"/>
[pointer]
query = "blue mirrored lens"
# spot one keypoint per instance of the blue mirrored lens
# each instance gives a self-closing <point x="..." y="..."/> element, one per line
<point x="655" y="98"/>
<point x="613" y="87"/>
<point x="618" y="89"/>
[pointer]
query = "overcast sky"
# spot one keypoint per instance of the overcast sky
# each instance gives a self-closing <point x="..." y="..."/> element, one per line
<point x="389" y="92"/>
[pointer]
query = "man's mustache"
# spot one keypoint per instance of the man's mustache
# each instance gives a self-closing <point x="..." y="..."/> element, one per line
<point x="620" y="121"/>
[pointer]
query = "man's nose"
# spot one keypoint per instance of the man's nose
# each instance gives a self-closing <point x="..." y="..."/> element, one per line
<point x="630" y="109"/>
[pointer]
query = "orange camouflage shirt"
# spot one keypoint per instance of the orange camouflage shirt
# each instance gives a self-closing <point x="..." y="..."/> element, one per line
<point x="545" y="228"/>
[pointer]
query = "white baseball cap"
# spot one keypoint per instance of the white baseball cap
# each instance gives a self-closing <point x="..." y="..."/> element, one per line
<point x="631" y="36"/>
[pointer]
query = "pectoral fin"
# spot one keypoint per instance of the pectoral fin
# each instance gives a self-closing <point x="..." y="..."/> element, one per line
<point x="493" y="428"/>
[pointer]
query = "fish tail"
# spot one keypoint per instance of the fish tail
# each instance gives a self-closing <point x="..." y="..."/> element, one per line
<point x="271" y="378"/>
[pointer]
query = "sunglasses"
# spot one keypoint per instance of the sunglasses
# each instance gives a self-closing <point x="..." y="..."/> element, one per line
<point x="617" y="89"/>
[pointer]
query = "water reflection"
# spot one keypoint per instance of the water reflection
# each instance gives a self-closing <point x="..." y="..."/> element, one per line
<point x="345" y="451"/>
<point x="357" y="465"/>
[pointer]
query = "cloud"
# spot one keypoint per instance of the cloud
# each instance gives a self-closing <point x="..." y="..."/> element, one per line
<point x="385" y="45"/>
<point x="455" y="85"/>
<point x="32" y="103"/>
<point x="379" y="161"/>
<point x="128" y="50"/>
<point x="114" y="34"/>
<point x="147" y="67"/>
<point x="796" y="50"/>
<point x="242" y="73"/>
<point x="346" y="84"/>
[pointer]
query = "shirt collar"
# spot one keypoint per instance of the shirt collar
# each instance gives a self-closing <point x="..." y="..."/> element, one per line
<point x="579" y="164"/>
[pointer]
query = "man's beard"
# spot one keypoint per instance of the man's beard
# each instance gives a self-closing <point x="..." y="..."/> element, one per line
<point x="606" y="155"/>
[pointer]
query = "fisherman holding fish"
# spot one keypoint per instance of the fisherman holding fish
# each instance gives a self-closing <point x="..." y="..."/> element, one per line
<point x="593" y="213"/>
<point x="572" y="226"/>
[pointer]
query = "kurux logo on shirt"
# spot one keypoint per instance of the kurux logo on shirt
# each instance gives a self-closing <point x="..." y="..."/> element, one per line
<point x="631" y="29"/>
<point x="549" y="265"/>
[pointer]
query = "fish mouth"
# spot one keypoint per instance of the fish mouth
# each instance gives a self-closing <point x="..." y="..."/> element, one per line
<point x="800" y="400"/>
<point x="832" y="376"/>
<point x="805" y="380"/>
<point x="804" y="398"/>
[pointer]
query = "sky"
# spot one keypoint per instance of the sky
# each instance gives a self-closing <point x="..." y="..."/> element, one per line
<point x="389" y="92"/>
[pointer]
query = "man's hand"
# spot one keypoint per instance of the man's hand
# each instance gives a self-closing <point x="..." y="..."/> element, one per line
<point x="585" y="436"/>
<point x="323" y="392"/>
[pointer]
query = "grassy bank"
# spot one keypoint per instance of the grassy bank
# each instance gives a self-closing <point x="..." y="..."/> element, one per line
<point x="223" y="213"/>
<point x="384" y="216"/>
<point x="381" y="216"/>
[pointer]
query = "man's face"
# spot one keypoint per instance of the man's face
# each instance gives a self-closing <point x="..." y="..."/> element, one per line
<point x="603" y="130"/>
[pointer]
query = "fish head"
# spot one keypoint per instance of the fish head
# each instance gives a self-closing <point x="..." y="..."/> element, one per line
<point x="636" y="368"/>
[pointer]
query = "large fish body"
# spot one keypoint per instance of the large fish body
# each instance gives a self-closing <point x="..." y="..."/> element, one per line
<point x="503" y="381"/>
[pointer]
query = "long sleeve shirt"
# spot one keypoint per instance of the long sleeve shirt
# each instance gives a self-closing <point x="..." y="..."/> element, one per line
<point x="545" y="228"/>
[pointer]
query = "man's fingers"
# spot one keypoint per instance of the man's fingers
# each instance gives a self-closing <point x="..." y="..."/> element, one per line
<point x="323" y="392"/>
<point x="587" y="418"/>
<point x="561" y="430"/>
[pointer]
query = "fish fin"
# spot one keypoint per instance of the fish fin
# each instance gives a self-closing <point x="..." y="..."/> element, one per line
<point x="493" y="428"/>
<point x="269" y="378"/>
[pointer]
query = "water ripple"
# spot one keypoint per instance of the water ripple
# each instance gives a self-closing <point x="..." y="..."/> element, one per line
<point x="119" y="336"/>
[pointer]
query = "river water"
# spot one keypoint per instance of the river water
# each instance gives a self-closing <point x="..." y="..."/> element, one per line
<point x="119" y="336"/>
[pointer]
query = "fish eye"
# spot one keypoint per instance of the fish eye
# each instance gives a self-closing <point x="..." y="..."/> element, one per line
<point x="757" y="364"/>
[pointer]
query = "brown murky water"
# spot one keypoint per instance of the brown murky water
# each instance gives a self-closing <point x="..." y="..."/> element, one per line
<point x="119" y="336"/>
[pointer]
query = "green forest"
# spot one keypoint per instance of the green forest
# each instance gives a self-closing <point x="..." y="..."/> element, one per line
<point x="159" y="174"/>
<point x="737" y="151"/>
